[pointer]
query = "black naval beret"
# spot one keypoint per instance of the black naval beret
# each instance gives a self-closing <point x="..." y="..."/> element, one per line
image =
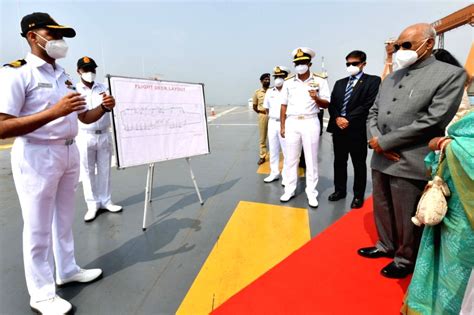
<point x="44" y="20"/>
<point x="265" y="75"/>
<point x="86" y="62"/>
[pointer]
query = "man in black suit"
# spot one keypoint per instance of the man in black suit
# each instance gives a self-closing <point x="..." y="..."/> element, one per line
<point x="351" y="100"/>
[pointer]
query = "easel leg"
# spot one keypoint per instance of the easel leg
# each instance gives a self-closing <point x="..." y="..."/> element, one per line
<point x="194" y="181"/>
<point x="148" y="193"/>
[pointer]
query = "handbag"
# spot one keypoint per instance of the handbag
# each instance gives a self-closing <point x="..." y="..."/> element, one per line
<point x="433" y="206"/>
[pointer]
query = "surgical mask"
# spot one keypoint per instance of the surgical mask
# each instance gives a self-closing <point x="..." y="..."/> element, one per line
<point x="279" y="82"/>
<point x="407" y="57"/>
<point x="56" y="49"/>
<point x="88" y="76"/>
<point x="301" y="69"/>
<point x="353" y="70"/>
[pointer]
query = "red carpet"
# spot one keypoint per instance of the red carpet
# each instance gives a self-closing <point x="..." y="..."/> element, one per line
<point x="325" y="276"/>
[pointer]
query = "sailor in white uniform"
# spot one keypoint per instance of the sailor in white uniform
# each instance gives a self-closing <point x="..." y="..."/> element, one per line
<point x="272" y="104"/>
<point x="38" y="106"/>
<point x="95" y="144"/>
<point x="302" y="97"/>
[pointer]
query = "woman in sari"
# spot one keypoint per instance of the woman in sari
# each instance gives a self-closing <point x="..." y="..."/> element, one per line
<point x="446" y="254"/>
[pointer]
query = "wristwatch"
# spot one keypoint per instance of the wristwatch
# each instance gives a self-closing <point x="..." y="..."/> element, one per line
<point x="105" y="109"/>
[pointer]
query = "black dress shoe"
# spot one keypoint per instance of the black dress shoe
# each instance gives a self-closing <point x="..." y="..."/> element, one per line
<point x="261" y="161"/>
<point x="357" y="203"/>
<point x="372" y="252"/>
<point x="395" y="272"/>
<point x="335" y="196"/>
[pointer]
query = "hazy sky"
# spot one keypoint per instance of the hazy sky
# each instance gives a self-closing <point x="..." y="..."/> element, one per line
<point x="225" y="44"/>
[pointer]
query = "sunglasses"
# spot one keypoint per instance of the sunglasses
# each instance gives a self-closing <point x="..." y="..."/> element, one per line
<point x="355" y="63"/>
<point x="404" y="45"/>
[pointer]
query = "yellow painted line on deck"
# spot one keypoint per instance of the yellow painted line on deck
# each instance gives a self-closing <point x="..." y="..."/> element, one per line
<point x="265" y="167"/>
<point x="6" y="146"/>
<point x="256" y="238"/>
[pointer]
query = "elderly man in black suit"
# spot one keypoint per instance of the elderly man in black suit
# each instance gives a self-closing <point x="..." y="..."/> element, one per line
<point x="351" y="100"/>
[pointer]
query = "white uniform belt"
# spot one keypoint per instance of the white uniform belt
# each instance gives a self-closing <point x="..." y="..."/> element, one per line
<point x="51" y="142"/>
<point x="95" y="132"/>
<point x="302" y="116"/>
<point x="275" y="119"/>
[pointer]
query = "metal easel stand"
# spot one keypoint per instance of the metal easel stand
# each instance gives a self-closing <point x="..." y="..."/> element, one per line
<point x="149" y="188"/>
<point x="148" y="192"/>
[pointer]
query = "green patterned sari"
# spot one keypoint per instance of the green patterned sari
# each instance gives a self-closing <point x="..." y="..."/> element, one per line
<point x="446" y="255"/>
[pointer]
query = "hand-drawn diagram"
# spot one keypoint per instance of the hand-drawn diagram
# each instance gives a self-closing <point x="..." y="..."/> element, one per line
<point x="157" y="121"/>
<point x="163" y="120"/>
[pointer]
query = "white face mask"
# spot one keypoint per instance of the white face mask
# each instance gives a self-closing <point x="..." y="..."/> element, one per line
<point x="407" y="57"/>
<point x="56" y="49"/>
<point x="279" y="82"/>
<point x="353" y="70"/>
<point x="301" y="69"/>
<point x="88" y="76"/>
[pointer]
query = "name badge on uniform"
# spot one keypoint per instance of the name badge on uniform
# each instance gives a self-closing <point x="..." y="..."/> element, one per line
<point x="45" y="85"/>
<point x="69" y="85"/>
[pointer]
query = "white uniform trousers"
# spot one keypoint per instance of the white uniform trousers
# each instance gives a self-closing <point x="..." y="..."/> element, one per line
<point x="276" y="143"/>
<point x="96" y="152"/>
<point x="46" y="178"/>
<point x="302" y="132"/>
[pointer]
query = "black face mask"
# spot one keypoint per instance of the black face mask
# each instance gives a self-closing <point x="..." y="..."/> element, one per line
<point x="266" y="84"/>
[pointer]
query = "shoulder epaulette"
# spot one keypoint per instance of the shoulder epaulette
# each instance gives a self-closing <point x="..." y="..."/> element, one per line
<point x="321" y="75"/>
<point x="290" y="77"/>
<point x="16" y="64"/>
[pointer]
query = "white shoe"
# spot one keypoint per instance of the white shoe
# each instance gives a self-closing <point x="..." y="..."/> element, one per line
<point x="52" y="306"/>
<point x="113" y="208"/>
<point x="271" y="178"/>
<point x="286" y="197"/>
<point x="83" y="276"/>
<point x="90" y="215"/>
<point x="313" y="202"/>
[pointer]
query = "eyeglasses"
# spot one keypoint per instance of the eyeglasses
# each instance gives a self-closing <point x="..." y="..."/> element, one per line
<point x="355" y="63"/>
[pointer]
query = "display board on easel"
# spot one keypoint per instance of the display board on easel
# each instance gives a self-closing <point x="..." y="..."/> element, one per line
<point x="155" y="121"/>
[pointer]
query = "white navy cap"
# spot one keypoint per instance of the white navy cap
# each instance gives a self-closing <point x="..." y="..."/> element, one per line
<point x="303" y="53"/>
<point x="281" y="71"/>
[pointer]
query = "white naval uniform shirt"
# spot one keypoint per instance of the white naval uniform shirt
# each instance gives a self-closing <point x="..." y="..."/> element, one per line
<point x="94" y="99"/>
<point x="272" y="102"/>
<point x="32" y="88"/>
<point x="295" y="94"/>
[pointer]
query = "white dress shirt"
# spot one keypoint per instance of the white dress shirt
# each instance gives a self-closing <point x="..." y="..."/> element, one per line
<point x="94" y="99"/>
<point x="295" y="94"/>
<point x="33" y="88"/>
<point x="273" y="102"/>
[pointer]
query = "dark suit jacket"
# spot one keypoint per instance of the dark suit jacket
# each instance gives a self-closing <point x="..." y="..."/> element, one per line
<point x="362" y="98"/>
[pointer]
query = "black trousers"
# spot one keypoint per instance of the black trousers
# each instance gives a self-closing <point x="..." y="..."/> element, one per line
<point x="355" y="145"/>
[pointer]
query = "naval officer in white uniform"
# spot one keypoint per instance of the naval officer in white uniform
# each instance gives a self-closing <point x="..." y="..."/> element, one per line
<point x="38" y="106"/>
<point x="302" y="97"/>
<point x="272" y="104"/>
<point x="95" y="144"/>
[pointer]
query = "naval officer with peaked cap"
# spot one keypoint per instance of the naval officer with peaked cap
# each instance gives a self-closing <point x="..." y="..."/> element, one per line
<point x="95" y="144"/>
<point x="302" y="97"/>
<point x="272" y="104"/>
<point x="38" y="106"/>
